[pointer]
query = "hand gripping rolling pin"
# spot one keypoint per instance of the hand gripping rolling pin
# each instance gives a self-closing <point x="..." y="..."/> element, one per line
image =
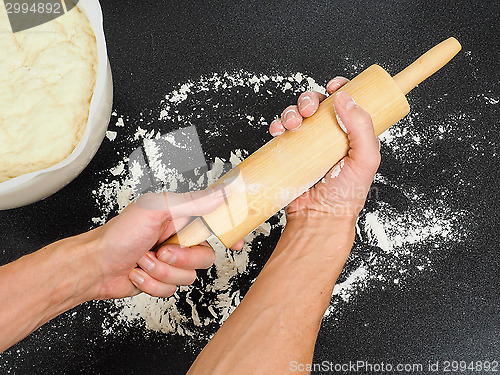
<point x="291" y="163"/>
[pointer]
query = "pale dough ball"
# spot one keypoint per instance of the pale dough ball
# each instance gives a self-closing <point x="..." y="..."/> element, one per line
<point x="47" y="78"/>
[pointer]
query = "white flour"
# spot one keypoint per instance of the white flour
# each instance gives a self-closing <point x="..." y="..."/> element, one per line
<point x="163" y="315"/>
<point x="393" y="236"/>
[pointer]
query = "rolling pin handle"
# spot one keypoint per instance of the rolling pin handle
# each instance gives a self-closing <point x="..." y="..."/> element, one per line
<point x="427" y="64"/>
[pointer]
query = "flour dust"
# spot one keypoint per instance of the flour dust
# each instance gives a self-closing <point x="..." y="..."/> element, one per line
<point x="393" y="244"/>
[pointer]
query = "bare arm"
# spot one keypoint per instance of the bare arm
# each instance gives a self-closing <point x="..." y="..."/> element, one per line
<point x="112" y="261"/>
<point x="278" y="320"/>
<point x="40" y="286"/>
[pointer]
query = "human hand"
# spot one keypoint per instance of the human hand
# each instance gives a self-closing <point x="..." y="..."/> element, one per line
<point x="124" y="251"/>
<point x="343" y="191"/>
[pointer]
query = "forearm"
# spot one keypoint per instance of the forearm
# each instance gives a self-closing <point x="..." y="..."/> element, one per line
<point x="40" y="286"/>
<point x="278" y="320"/>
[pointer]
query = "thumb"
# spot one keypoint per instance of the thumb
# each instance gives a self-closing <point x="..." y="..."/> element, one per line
<point x="193" y="203"/>
<point x="357" y="123"/>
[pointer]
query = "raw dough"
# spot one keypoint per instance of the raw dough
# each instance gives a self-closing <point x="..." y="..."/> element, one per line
<point x="47" y="78"/>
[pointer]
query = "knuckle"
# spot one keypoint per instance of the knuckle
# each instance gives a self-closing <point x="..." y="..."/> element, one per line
<point x="164" y="272"/>
<point x="373" y="162"/>
<point x="150" y="288"/>
<point x="181" y="258"/>
<point x="362" y="118"/>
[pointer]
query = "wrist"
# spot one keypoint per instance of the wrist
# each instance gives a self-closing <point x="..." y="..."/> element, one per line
<point x="76" y="257"/>
<point x="321" y="224"/>
<point x="328" y="240"/>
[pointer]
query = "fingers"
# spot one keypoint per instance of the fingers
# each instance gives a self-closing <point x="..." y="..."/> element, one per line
<point x="195" y="203"/>
<point x="335" y="84"/>
<point x="364" y="152"/>
<point x="188" y="258"/>
<point x="291" y="118"/>
<point x="276" y="128"/>
<point x="307" y="105"/>
<point x="161" y="272"/>
<point x="238" y="245"/>
<point x="308" y="102"/>
<point x="158" y="278"/>
<point x="149" y="285"/>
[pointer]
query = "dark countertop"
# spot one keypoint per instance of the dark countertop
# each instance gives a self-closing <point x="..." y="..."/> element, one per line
<point x="450" y="311"/>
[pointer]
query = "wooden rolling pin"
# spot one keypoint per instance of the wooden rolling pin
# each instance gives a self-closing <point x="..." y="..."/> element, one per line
<point x="291" y="163"/>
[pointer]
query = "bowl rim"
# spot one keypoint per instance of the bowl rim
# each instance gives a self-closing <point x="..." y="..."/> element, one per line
<point x="93" y="11"/>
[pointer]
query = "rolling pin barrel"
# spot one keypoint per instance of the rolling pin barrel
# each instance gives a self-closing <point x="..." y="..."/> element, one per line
<point x="291" y="163"/>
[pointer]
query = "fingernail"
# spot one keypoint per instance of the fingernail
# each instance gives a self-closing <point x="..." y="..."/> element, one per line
<point x="273" y="126"/>
<point x="146" y="263"/>
<point x="332" y="83"/>
<point x="335" y="83"/>
<point x="290" y="115"/>
<point x="378" y="140"/>
<point x="305" y="102"/>
<point x="168" y="256"/>
<point x="136" y="278"/>
<point x="345" y="101"/>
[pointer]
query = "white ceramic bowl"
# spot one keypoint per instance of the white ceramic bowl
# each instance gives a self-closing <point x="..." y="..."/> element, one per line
<point x="34" y="186"/>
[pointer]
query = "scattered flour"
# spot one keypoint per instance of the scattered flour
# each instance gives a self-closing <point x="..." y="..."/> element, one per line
<point x="392" y="245"/>
<point x="399" y="243"/>
<point x="163" y="314"/>
<point x="111" y="135"/>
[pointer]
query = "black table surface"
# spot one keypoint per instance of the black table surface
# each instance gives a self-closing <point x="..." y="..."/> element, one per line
<point x="451" y="313"/>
